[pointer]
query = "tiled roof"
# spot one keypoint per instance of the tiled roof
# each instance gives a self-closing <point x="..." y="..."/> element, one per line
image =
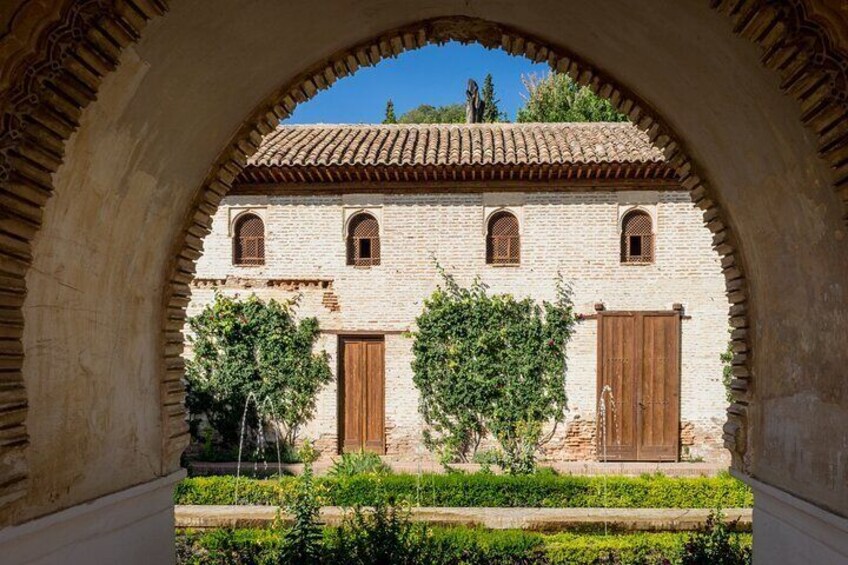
<point x="456" y="145"/>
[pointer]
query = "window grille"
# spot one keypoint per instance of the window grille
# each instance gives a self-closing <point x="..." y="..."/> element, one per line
<point x="637" y="238"/>
<point x="503" y="242"/>
<point x="249" y="241"/>
<point x="363" y="241"/>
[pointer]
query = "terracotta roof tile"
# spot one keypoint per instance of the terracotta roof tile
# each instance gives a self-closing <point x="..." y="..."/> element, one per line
<point x="456" y="144"/>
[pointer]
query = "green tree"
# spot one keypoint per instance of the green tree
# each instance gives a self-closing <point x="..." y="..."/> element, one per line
<point x="557" y="98"/>
<point x="390" y="113"/>
<point x="250" y="348"/>
<point x="490" y="364"/>
<point x="491" y="111"/>
<point x="427" y="114"/>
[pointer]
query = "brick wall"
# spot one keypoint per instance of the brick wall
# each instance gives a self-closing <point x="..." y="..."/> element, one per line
<point x="576" y="234"/>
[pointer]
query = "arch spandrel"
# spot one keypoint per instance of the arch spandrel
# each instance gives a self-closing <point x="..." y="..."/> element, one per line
<point x="209" y="70"/>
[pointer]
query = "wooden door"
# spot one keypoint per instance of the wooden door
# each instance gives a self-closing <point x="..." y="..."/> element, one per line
<point x="639" y="385"/>
<point x="617" y="386"/>
<point x="362" y="398"/>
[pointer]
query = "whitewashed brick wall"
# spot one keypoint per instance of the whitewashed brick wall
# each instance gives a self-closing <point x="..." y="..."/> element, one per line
<point x="572" y="233"/>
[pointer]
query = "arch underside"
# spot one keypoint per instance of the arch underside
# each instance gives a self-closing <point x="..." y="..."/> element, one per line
<point x="100" y="233"/>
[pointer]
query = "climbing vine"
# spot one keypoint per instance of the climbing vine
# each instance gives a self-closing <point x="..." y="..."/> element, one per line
<point x="249" y="349"/>
<point x="491" y="365"/>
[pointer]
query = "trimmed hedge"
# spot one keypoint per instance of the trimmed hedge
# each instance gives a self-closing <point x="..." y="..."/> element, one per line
<point x="454" y="545"/>
<point x="635" y="548"/>
<point x="482" y="490"/>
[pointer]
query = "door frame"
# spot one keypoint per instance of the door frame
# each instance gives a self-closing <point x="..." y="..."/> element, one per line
<point x="341" y="384"/>
<point x="638" y="364"/>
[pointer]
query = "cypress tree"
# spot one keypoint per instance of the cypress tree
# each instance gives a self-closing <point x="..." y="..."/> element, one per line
<point x="390" y="113"/>
<point x="491" y="112"/>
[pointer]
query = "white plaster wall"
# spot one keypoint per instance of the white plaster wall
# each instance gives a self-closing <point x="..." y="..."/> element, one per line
<point x="134" y="526"/>
<point x="572" y="233"/>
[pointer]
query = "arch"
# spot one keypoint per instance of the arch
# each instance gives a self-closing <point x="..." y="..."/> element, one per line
<point x="637" y="237"/>
<point x="31" y="134"/>
<point x="248" y="240"/>
<point x="503" y="239"/>
<point x="363" y="240"/>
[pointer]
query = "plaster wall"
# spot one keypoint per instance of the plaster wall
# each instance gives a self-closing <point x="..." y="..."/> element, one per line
<point x="134" y="526"/>
<point x="182" y="92"/>
<point x="790" y="530"/>
<point x="575" y="234"/>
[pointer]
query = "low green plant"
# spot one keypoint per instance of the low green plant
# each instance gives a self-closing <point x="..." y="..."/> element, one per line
<point x="302" y="542"/>
<point x="716" y="543"/>
<point x="543" y="489"/>
<point x="614" y="549"/>
<point x="357" y="463"/>
<point x="383" y="534"/>
<point x="442" y="546"/>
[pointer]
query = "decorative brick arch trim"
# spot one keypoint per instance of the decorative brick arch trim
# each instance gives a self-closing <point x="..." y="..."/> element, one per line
<point x="53" y="80"/>
<point x="59" y="56"/>
<point x="495" y="36"/>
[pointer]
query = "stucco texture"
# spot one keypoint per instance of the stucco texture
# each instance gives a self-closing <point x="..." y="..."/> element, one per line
<point x="93" y="310"/>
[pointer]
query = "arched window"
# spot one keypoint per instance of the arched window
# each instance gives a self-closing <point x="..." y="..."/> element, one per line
<point x="249" y="240"/>
<point x="503" y="242"/>
<point x="363" y="241"/>
<point x="637" y="238"/>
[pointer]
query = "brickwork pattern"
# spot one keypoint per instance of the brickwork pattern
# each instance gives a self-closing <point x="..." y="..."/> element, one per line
<point x="576" y="234"/>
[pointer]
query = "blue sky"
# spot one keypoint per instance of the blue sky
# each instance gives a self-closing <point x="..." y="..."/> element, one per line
<point x="434" y="75"/>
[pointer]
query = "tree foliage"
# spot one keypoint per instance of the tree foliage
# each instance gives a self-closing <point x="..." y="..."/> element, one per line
<point x="557" y="98"/>
<point x="390" y="117"/>
<point x="490" y="364"/>
<point x="427" y="114"/>
<point x="727" y="371"/>
<point x="250" y="348"/>
<point x="491" y="110"/>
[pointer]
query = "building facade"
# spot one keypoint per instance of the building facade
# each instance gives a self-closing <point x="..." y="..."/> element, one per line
<point x="515" y="205"/>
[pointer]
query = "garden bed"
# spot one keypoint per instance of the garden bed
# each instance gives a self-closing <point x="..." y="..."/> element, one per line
<point x="451" y="545"/>
<point x="542" y="490"/>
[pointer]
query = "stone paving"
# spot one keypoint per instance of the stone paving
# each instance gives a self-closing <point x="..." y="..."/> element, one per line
<point x="534" y="519"/>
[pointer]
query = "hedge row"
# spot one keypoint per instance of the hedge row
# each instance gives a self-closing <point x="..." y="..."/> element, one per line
<point x="476" y="490"/>
<point x="453" y="545"/>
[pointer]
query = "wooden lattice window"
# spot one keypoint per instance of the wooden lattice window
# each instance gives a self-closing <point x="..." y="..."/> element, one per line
<point x="249" y="240"/>
<point x="503" y="242"/>
<point x="363" y="241"/>
<point x="637" y="238"/>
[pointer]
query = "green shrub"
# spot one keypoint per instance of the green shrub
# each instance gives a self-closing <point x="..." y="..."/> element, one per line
<point x="444" y="546"/>
<point x="236" y="547"/>
<point x="489" y="364"/>
<point x="716" y="544"/>
<point x="302" y="541"/>
<point x="350" y="464"/>
<point x="243" y="349"/>
<point x="478" y="489"/>
<point x="383" y="535"/>
<point x="618" y="549"/>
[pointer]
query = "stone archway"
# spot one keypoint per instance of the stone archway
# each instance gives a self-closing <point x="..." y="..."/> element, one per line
<point x="494" y="36"/>
<point x="70" y="61"/>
